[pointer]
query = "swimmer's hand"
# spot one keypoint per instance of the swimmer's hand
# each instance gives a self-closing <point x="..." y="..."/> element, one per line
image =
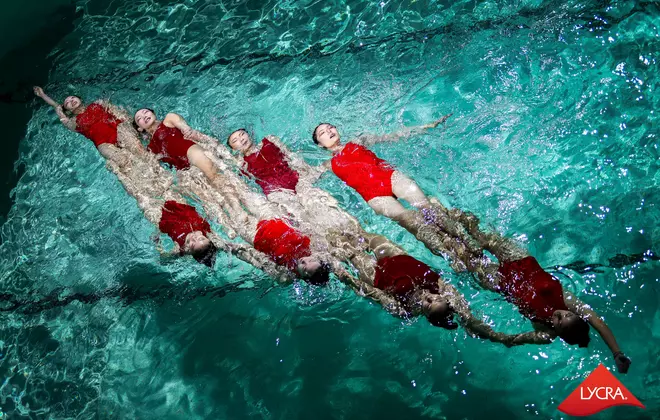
<point x="38" y="91"/>
<point x="438" y="122"/>
<point x="622" y="362"/>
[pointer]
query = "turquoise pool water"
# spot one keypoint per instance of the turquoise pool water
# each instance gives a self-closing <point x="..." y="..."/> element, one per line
<point x="554" y="140"/>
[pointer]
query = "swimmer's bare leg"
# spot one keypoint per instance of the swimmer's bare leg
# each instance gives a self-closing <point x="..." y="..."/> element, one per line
<point x="438" y="242"/>
<point x="504" y="249"/>
<point x="407" y="189"/>
<point x="381" y="246"/>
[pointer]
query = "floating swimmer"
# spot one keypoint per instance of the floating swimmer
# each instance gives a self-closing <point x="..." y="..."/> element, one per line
<point x="105" y="124"/>
<point x="381" y="186"/>
<point x="408" y="287"/>
<point x="537" y="294"/>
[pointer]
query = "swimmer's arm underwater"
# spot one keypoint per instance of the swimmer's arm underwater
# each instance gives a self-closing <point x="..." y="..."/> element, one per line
<point x="388" y="303"/>
<point x="582" y="309"/>
<point x="364" y="265"/>
<point x="310" y="172"/>
<point x="532" y="337"/>
<point x="204" y="140"/>
<point x="255" y="258"/>
<point x="478" y="328"/>
<point x="371" y="139"/>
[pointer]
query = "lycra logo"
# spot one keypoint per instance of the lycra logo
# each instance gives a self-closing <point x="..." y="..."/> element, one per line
<point x="599" y="391"/>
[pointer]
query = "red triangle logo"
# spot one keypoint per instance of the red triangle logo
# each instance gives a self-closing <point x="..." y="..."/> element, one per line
<point x="599" y="391"/>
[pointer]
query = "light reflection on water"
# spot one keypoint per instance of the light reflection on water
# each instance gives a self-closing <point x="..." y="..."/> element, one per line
<point x="553" y="140"/>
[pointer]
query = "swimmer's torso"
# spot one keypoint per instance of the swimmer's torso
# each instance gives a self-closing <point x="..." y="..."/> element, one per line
<point x="270" y="169"/>
<point x="98" y="124"/>
<point x="170" y="144"/>
<point x="363" y="171"/>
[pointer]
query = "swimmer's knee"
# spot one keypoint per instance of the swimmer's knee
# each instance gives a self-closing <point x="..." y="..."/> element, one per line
<point x="387" y="206"/>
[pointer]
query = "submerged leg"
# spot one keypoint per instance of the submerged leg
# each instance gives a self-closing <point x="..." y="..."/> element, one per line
<point x="504" y="249"/>
<point x="437" y="241"/>
<point x="434" y="212"/>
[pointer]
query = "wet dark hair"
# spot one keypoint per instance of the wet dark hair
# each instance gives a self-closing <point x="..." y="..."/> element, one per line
<point x="442" y="319"/>
<point x="577" y="333"/>
<point x="135" y="125"/>
<point x="207" y="255"/>
<point x="232" y="133"/>
<point x="314" y="137"/>
<point x="320" y="276"/>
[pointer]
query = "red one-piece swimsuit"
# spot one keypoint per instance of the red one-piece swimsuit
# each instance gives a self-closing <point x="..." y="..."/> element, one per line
<point x="98" y="124"/>
<point x="171" y="145"/>
<point x="270" y="169"/>
<point x="178" y="220"/>
<point x="363" y="171"/>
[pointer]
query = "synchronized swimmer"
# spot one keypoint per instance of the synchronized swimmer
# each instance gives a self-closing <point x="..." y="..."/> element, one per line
<point x="296" y="230"/>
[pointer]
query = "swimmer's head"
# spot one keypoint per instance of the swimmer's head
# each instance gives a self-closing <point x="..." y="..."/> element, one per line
<point x="326" y="135"/>
<point x="71" y="103"/>
<point x="438" y="311"/>
<point x="313" y="270"/>
<point x="240" y="140"/>
<point x="200" y="247"/>
<point x="571" y="328"/>
<point x="144" y="119"/>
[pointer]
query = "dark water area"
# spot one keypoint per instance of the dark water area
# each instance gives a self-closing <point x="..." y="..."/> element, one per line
<point x="25" y="61"/>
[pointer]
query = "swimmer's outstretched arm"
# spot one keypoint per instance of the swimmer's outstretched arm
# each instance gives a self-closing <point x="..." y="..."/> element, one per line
<point x="68" y="122"/>
<point x="370" y="139"/>
<point x="478" y="328"/>
<point x="310" y="172"/>
<point x="255" y="258"/>
<point x="363" y="287"/>
<point x="204" y="140"/>
<point x="575" y="305"/>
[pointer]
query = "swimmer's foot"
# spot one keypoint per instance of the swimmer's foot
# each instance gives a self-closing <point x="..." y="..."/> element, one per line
<point x="434" y="124"/>
<point x="445" y="118"/>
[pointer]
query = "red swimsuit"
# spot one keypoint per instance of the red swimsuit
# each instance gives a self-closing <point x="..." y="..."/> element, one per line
<point x="282" y="243"/>
<point x="98" y="124"/>
<point x="178" y="220"/>
<point x="270" y="169"/>
<point x="170" y="143"/>
<point x="536" y="293"/>
<point x="402" y="274"/>
<point x="365" y="172"/>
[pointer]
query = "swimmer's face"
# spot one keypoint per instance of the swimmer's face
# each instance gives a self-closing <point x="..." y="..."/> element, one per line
<point x="327" y="135"/>
<point x="308" y="266"/>
<point x="145" y="118"/>
<point x="434" y="304"/>
<point x="71" y="103"/>
<point x="563" y="320"/>
<point x="438" y="311"/>
<point x="240" y="141"/>
<point x="196" y="242"/>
